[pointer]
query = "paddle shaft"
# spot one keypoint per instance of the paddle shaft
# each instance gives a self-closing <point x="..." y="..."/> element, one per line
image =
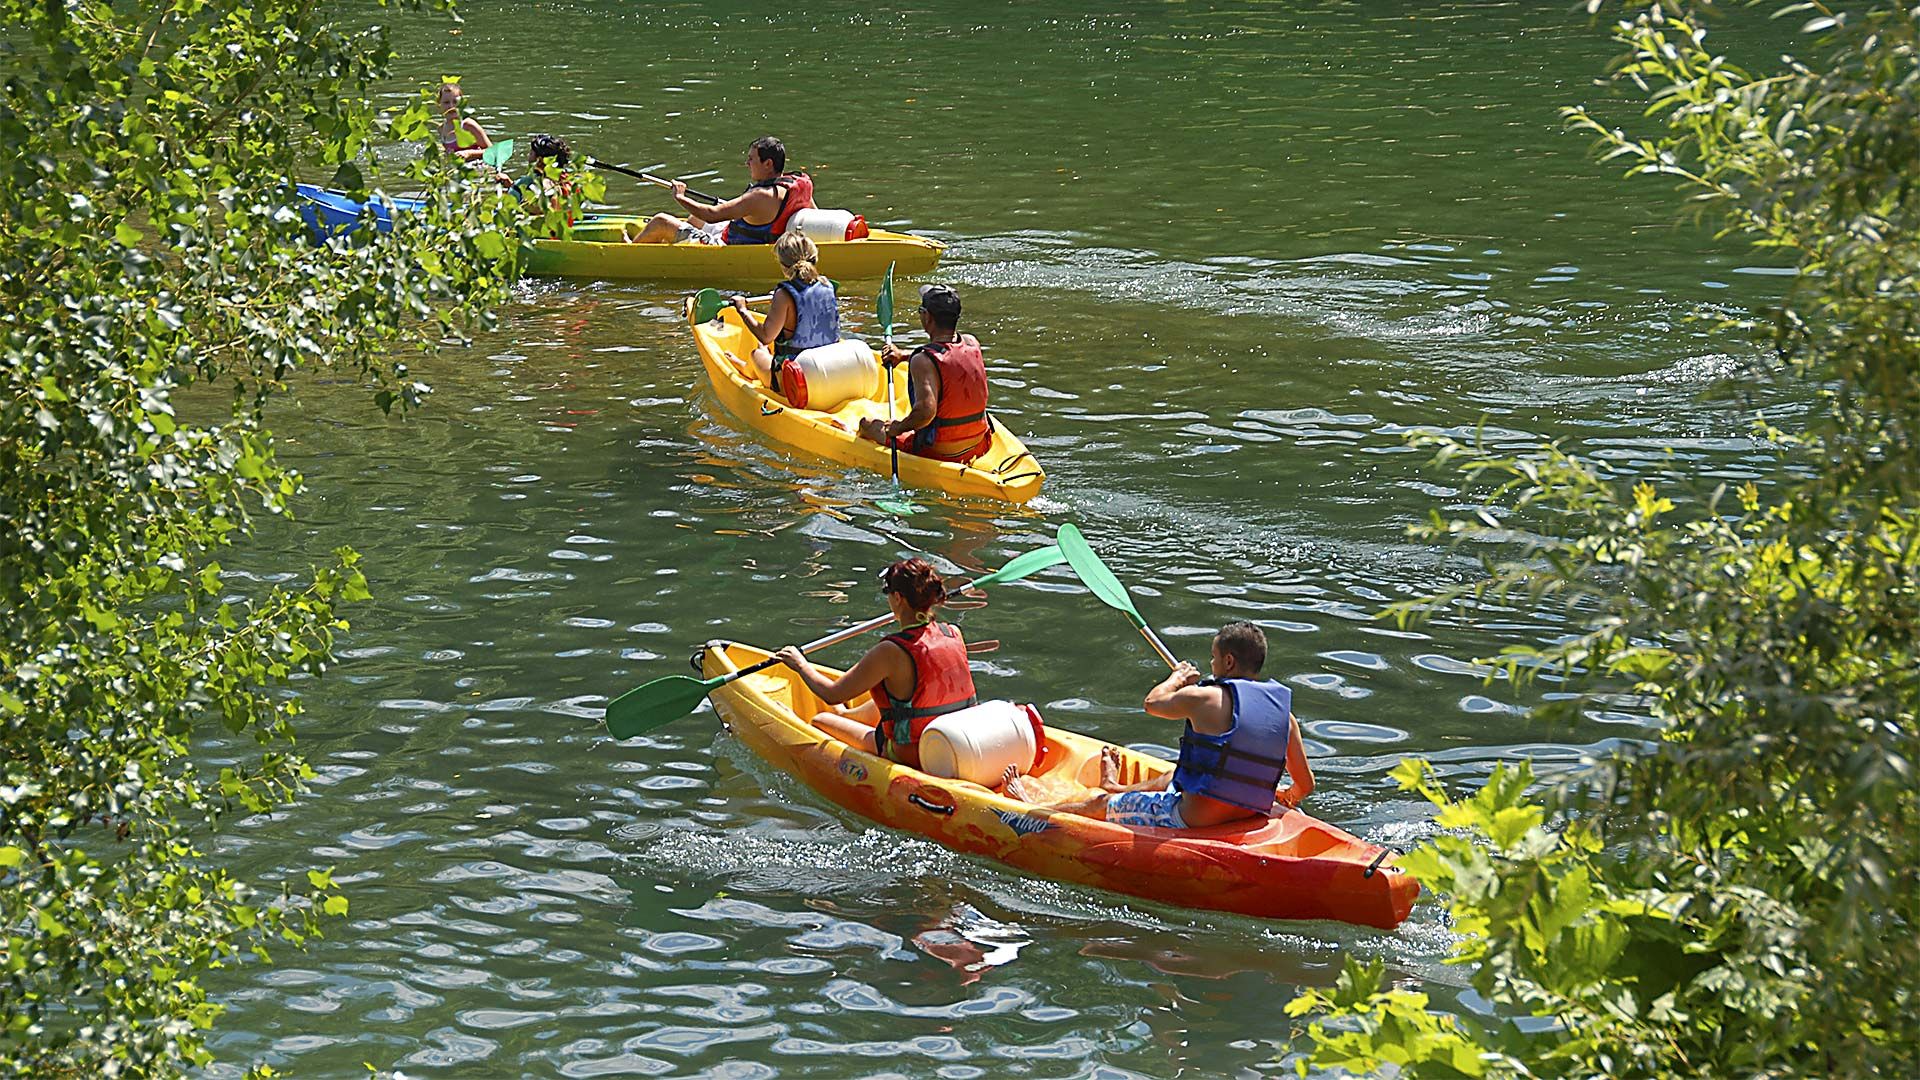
<point x="646" y="176"/>
<point x="886" y="338"/>
<point x="835" y="638"/>
<point x="847" y="634"/>
<point x="1159" y="646"/>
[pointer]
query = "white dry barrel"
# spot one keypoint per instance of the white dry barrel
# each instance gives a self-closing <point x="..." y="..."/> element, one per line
<point x="979" y="743"/>
<point x="828" y="376"/>
<point x="828" y="226"/>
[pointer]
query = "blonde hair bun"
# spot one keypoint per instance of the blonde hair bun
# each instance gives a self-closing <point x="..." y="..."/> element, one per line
<point x="798" y="253"/>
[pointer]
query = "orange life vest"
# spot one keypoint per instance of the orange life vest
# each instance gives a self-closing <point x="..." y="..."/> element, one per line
<point x="960" y="430"/>
<point x="942" y="683"/>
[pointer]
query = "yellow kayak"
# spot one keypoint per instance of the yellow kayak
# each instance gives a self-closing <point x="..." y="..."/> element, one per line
<point x="596" y="250"/>
<point x="1289" y="867"/>
<point x="1006" y="471"/>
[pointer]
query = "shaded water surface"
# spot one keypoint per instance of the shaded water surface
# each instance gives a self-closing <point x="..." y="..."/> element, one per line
<point x="1224" y="258"/>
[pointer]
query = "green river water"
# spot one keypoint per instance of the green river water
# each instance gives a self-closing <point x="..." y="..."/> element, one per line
<point x="1223" y="257"/>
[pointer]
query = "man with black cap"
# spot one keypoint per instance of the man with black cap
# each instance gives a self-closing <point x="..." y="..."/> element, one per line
<point x="946" y="388"/>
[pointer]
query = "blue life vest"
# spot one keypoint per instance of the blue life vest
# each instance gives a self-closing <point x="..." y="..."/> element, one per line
<point x="1243" y="766"/>
<point x="816" y="316"/>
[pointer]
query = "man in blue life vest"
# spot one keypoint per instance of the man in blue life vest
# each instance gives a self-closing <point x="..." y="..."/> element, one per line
<point x="946" y="388"/>
<point x="1240" y="737"/>
<point x="757" y="215"/>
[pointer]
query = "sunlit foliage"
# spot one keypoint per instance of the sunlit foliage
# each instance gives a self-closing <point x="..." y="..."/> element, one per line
<point x="1739" y="897"/>
<point x="157" y="289"/>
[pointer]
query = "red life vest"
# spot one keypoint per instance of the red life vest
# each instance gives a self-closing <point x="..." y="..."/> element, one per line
<point x="960" y="430"/>
<point x="942" y="683"/>
<point x="796" y="191"/>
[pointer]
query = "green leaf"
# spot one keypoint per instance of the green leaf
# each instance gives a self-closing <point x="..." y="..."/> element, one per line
<point x="335" y="905"/>
<point x="490" y="244"/>
<point x="127" y="235"/>
<point x="347" y="178"/>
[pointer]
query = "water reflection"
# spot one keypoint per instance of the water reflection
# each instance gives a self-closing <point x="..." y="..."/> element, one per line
<point x="1343" y="229"/>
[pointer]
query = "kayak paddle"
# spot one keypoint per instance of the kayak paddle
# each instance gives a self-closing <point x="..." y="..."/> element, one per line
<point x="709" y="302"/>
<point x="883" y="308"/>
<point x="1095" y="575"/>
<point x="648" y="177"/>
<point x="665" y="700"/>
<point x="495" y="156"/>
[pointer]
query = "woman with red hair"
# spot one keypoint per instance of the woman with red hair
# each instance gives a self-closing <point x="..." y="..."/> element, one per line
<point x="915" y="675"/>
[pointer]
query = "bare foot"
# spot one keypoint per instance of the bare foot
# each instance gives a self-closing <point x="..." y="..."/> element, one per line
<point x="1019" y="787"/>
<point x="1109" y="768"/>
<point x="1007" y="776"/>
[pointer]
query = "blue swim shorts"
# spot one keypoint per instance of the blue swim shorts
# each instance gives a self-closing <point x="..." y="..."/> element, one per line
<point x="1146" y="809"/>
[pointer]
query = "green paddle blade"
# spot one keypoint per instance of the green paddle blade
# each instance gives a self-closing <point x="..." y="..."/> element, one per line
<point x="883" y="305"/>
<point x="898" y="507"/>
<point x="497" y="154"/>
<point x="1095" y="574"/>
<point x="656" y="704"/>
<point x="1024" y="566"/>
<point x="707" y="303"/>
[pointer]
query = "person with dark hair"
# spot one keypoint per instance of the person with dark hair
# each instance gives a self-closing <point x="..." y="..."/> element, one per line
<point x="757" y="215"/>
<point x="946" y="388"/>
<point x="547" y="159"/>
<point x="541" y="147"/>
<point x="1241" y="737"/>
<point x="915" y="676"/>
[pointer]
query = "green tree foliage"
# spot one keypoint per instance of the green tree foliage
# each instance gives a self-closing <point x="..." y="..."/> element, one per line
<point x="149" y="244"/>
<point x="1740" y="896"/>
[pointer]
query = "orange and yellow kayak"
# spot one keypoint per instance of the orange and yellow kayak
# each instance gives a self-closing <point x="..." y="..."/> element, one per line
<point x="1006" y="471"/>
<point x="1289" y="867"/>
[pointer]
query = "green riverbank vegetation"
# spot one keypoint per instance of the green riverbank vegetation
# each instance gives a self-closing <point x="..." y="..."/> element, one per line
<point x="149" y="245"/>
<point x="1739" y="897"/>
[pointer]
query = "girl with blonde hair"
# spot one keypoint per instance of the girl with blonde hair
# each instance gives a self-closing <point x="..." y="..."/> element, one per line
<point x="804" y="312"/>
<point x="460" y="135"/>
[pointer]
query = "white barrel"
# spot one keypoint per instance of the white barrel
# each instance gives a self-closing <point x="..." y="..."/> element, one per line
<point x="819" y="225"/>
<point x="828" y="376"/>
<point x="979" y="743"/>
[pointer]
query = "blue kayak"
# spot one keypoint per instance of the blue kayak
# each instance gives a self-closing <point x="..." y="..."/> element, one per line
<point x="331" y="213"/>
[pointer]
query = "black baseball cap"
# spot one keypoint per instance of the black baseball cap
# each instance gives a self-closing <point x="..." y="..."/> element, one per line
<point x="940" y="300"/>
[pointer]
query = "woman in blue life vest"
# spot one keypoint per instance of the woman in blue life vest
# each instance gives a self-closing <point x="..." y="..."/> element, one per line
<point x="914" y="676"/>
<point x="1240" y="737"/>
<point x="803" y="314"/>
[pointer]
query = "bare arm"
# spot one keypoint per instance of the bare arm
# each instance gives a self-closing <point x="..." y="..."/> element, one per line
<point x="779" y="317"/>
<point x="758" y="200"/>
<point x="873" y="669"/>
<point x="1181" y="697"/>
<point x="1299" y="773"/>
<point x="926" y="393"/>
<point x="481" y="142"/>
